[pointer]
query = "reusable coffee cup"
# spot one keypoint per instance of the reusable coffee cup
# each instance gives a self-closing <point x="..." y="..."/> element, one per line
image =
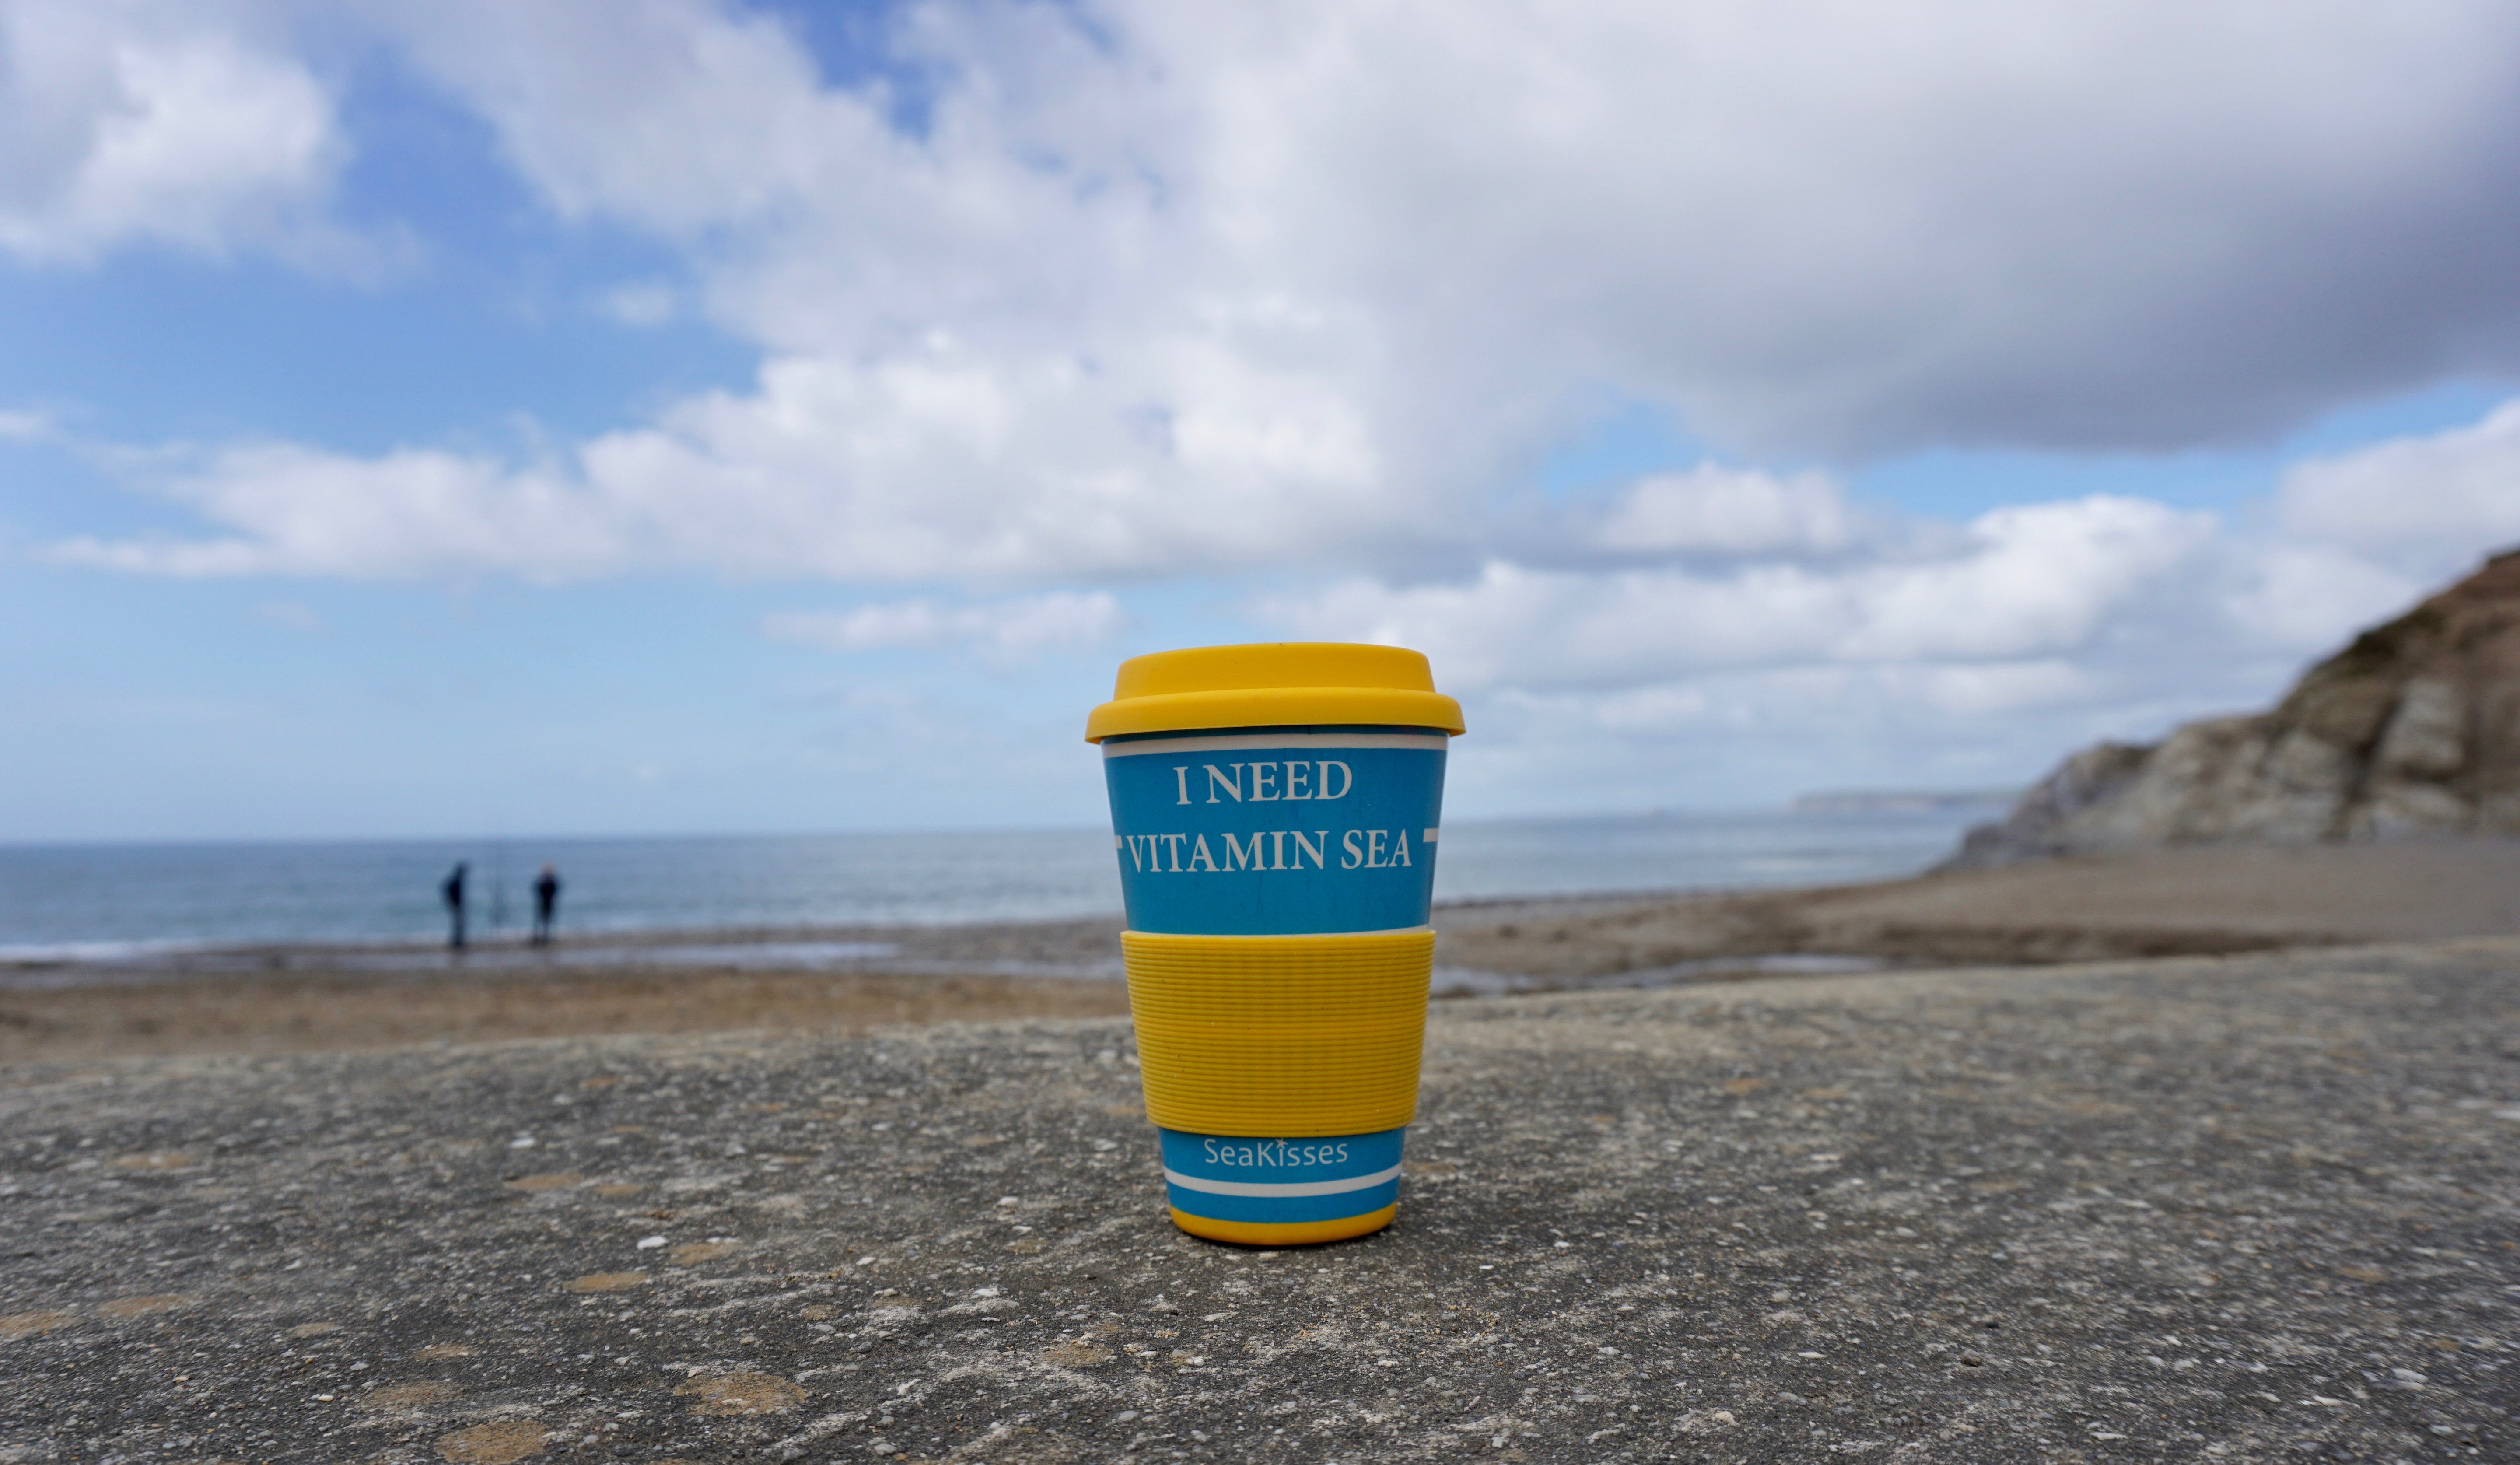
<point x="1274" y="810"/>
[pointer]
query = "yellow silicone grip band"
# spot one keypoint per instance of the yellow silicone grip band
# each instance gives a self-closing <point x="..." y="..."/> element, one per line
<point x="1279" y="1035"/>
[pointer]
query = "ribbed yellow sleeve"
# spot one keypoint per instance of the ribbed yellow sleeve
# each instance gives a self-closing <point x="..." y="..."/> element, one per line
<point x="1279" y="1035"/>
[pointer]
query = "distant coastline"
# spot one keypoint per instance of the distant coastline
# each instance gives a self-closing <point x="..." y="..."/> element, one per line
<point x="1900" y="801"/>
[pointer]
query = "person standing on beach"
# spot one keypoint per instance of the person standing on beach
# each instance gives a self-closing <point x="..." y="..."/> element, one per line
<point x="546" y="903"/>
<point x="452" y="892"/>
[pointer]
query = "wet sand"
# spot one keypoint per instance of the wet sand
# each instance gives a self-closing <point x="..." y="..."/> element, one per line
<point x="320" y="1012"/>
<point x="2168" y="902"/>
<point x="851" y="979"/>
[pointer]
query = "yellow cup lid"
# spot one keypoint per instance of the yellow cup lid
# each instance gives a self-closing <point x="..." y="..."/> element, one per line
<point x="1274" y="684"/>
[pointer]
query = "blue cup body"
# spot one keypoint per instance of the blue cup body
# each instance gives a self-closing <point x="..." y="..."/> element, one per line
<point x="1277" y="831"/>
<point x="1296" y="831"/>
<point x="1275" y="1182"/>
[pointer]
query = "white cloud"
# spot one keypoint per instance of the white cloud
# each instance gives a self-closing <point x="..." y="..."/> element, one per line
<point x="1718" y="510"/>
<point x="1984" y="689"/>
<point x="408" y="515"/>
<point x="2034" y="579"/>
<point x="2426" y="505"/>
<point x="1156" y="292"/>
<point x="1010" y="628"/>
<point x="2298" y="596"/>
<point x="1828" y="226"/>
<point x="1799" y="699"/>
<point x="948" y="462"/>
<point x="943" y="464"/>
<point x="681" y="116"/>
<point x="2028" y="583"/>
<point x="122" y="123"/>
<point x="1761" y="734"/>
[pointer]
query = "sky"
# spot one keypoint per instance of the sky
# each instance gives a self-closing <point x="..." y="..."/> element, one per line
<point x="659" y="416"/>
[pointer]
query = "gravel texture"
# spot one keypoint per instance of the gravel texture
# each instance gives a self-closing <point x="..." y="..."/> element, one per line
<point x="2250" y="1209"/>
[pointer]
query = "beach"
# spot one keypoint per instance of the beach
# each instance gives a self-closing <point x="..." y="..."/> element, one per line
<point x="856" y="978"/>
<point x="2197" y="1154"/>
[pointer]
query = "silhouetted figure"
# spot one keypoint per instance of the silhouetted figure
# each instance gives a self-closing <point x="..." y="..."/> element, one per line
<point x="452" y="892"/>
<point x="546" y="903"/>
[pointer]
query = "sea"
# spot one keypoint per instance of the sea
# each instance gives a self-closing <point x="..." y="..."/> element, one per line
<point x="108" y="903"/>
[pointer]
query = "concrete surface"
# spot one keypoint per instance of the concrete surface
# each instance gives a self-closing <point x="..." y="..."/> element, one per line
<point x="2250" y="1209"/>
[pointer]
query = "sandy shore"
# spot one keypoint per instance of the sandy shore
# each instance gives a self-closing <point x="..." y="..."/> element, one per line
<point x="2173" y="902"/>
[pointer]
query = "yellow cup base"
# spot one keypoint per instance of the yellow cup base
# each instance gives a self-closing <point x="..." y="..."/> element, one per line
<point x="1294" y="1233"/>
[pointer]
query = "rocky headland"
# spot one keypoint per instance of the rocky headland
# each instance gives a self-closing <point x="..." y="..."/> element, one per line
<point x="2412" y="731"/>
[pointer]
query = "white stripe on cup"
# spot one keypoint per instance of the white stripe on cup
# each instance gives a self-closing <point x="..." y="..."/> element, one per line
<point x="1436" y="742"/>
<point x="1285" y="1188"/>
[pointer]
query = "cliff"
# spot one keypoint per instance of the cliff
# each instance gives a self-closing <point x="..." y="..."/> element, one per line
<point x="2413" y="730"/>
